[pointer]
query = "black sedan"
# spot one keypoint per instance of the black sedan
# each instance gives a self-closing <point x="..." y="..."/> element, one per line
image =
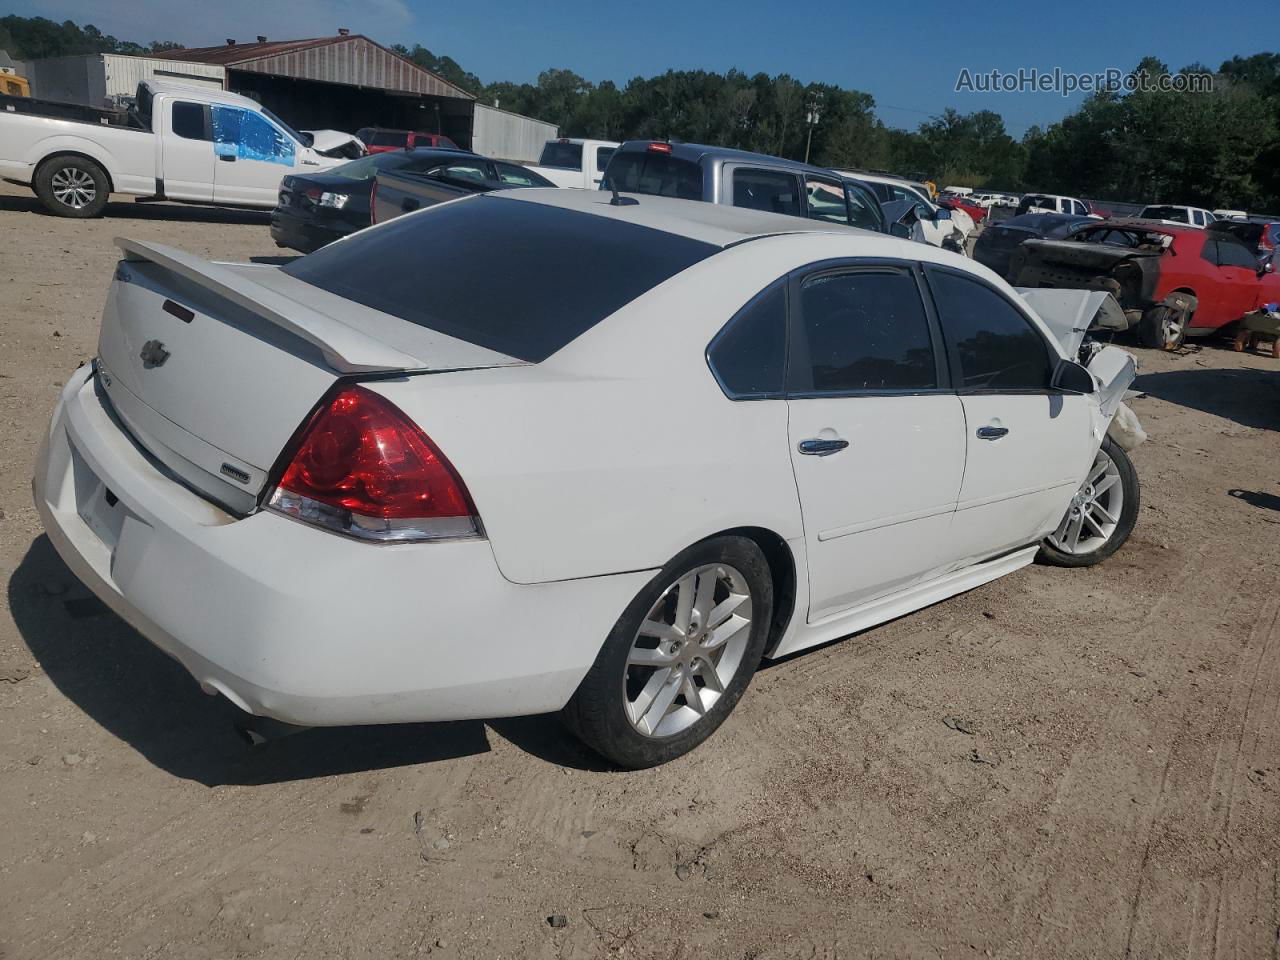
<point x="318" y="208"/>
<point x="997" y="242"/>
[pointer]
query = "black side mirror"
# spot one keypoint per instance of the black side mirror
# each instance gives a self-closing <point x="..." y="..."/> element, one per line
<point x="1072" y="377"/>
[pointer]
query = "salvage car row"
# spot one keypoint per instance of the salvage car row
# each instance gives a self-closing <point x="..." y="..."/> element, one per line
<point x="1171" y="281"/>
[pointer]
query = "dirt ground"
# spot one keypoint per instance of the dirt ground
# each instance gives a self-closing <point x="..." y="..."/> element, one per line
<point x="1059" y="764"/>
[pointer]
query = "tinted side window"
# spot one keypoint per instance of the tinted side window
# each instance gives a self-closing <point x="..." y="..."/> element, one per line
<point x="864" y="210"/>
<point x="1209" y="251"/>
<point x="470" y="171"/>
<point x="518" y="175"/>
<point x="749" y="354"/>
<point x="1233" y="254"/>
<point x="768" y="190"/>
<point x="997" y="346"/>
<point x="188" y="121"/>
<point x="603" y="154"/>
<point x="388" y="138"/>
<point x="864" y="330"/>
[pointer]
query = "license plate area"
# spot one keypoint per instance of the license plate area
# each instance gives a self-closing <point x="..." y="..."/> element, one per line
<point x="98" y="507"/>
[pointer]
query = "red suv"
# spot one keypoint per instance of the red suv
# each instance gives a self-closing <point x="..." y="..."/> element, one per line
<point x="382" y="140"/>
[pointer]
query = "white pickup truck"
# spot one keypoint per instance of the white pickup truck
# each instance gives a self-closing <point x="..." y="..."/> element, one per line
<point x="574" y="163"/>
<point x="178" y="142"/>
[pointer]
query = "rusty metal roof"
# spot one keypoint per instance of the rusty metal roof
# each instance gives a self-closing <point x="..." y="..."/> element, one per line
<point x="354" y="60"/>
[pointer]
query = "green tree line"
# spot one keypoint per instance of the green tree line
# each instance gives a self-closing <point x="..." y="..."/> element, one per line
<point x="1216" y="148"/>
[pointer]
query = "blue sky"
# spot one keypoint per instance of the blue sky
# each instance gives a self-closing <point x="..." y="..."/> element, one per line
<point x="907" y="56"/>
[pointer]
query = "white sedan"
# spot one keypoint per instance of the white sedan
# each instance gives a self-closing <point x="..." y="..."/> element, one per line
<point x="544" y="450"/>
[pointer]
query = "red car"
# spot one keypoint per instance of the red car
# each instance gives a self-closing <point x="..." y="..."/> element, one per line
<point x="382" y="140"/>
<point x="952" y="202"/>
<point x="1171" y="281"/>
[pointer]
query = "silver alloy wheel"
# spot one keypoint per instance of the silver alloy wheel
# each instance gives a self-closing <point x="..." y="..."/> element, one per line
<point x="1094" y="513"/>
<point x="1170" y="329"/>
<point x="687" y="650"/>
<point x="73" y="187"/>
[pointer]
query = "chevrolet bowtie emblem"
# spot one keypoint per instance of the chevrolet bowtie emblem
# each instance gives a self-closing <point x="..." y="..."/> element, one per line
<point x="153" y="354"/>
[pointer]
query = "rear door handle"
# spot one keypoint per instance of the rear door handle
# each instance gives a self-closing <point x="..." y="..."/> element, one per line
<point x="227" y="157"/>
<point x="992" y="433"/>
<point x="821" y="448"/>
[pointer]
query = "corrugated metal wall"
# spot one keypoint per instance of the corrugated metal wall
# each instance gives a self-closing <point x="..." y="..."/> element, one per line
<point x="123" y="74"/>
<point x="94" y="79"/>
<point x="509" y="136"/>
<point x="354" y="61"/>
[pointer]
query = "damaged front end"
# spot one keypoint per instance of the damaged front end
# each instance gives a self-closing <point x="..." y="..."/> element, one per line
<point x="1070" y="315"/>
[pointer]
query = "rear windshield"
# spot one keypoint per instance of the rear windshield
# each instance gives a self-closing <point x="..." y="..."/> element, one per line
<point x="521" y="278"/>
<point x="366" y="168"/>
<point x="657" y="174"/>
<point x="388" y="138"/>
<point x="566" y="156"/>
<point x="1165" y="213"/>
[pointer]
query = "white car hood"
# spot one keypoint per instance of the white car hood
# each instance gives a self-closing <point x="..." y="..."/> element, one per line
<point x="1069" y="314"/>
<point x="323" y="140"/>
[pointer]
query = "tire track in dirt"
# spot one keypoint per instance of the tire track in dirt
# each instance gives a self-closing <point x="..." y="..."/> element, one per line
<point x="166" y="887"/>
<point x="1187" y="610"/>
<point x="1228" y="904"/>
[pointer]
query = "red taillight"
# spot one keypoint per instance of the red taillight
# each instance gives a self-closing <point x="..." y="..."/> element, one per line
<point x="365" y="469"/>
<point x="659" y="147"/>
<point x="312" y="194"/>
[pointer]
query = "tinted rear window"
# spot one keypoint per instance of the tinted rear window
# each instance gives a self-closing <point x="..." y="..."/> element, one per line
<point x="565" y="156"/>
<point x="655" y="174"/>
<point x="388" y="138"/>
<point x="520" y="278"/>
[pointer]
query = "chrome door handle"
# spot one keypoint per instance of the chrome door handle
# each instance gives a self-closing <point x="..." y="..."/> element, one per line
<point x="821" y="448"/>
<point x="992" y="433"/>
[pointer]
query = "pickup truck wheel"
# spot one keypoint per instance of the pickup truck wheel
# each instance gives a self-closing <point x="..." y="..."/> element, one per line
<point x="679" y="658"/>
<point x="72" y="186"/>
<point x="1100" y="516"/>
<point x="1162" y="328"/>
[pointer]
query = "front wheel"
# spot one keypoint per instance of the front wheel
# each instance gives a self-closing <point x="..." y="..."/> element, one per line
<point x="1100" y="516"/>
<point x="1162" y="328"/>
<point x="679" y="658"/>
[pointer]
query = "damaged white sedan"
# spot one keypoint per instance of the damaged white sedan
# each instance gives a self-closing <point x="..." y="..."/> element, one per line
<point x="544" y="450"/>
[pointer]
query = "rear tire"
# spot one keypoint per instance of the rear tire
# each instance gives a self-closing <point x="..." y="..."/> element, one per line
<point x="658" y="689"/>
<point x="71" y="186"/>
<point x="1101" y="515"/>
<point x="1161" y="328"/>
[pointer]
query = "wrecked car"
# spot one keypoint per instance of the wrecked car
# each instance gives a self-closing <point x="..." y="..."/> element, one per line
<point x="387" y="518"/>
<point x="1172" y="282"/>
<point x="995" y="245"/>
<point x="336" y="144"/>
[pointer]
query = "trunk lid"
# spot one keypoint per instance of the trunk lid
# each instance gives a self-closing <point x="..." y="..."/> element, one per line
<point x="213" y="367"/>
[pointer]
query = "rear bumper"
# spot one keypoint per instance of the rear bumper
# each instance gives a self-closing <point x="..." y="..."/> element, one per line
<point x="298" y="624"/>
<point x="306" y="235"/>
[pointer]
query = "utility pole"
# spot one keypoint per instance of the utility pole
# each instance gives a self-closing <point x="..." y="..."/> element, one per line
<point x="811" y="118"/>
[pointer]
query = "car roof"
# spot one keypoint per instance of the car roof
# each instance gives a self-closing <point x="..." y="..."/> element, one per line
<point x="718" y="224"/>
<point x="201" y="94"/>
<point x="695" y="152"/>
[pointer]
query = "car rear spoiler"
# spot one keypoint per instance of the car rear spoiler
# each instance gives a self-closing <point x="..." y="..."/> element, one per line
<point x="345" y="348"/>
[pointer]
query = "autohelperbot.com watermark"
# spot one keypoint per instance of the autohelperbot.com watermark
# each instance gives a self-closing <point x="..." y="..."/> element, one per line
<point x="1066" y="82"/>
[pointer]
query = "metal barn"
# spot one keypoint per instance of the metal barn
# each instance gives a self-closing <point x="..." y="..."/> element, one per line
<point x="348" y="81"/>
